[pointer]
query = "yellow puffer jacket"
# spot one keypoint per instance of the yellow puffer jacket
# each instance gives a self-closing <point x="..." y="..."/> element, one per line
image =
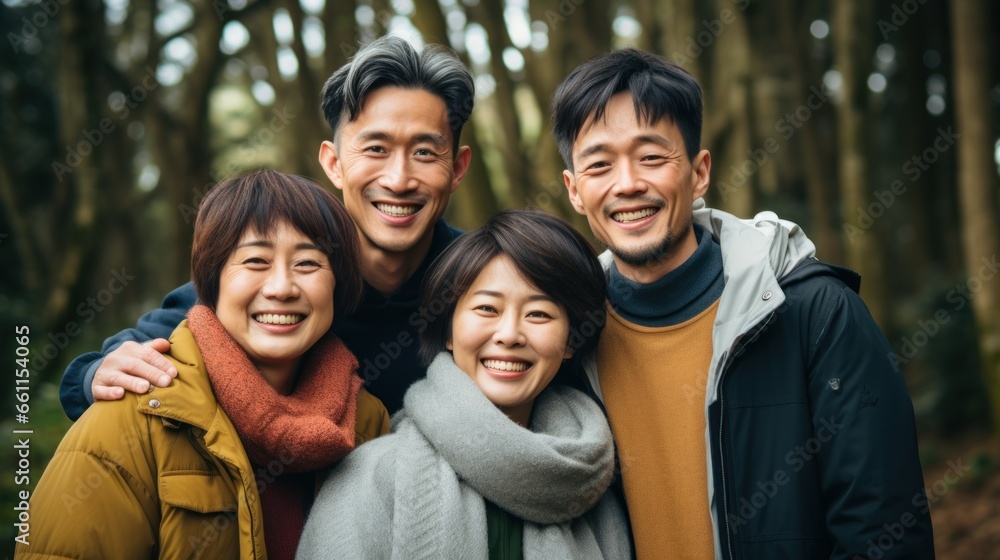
<point x="160" y="475"/>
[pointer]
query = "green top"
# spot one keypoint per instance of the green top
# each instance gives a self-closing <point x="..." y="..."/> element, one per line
<point x="503" y="533"/>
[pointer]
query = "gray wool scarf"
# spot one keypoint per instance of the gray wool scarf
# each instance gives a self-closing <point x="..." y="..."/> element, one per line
<point x="419" y="492"/>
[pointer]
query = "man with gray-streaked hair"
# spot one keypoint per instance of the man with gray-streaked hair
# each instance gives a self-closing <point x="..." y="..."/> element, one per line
<point x="396" y="116"/>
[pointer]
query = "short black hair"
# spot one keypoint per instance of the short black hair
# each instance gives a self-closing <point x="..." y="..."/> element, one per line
<point x="392" y="62"/>
<point x="659" y="88"/>
<point x="260" y="200"/>
<point x="548" y="253"/>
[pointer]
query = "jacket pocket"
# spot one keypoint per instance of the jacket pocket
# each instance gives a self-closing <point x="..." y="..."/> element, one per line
<point x="199" y="516"/>
<point x="199" y="491"/>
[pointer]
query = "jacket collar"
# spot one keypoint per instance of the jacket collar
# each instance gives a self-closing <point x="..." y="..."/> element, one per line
<point x="756" y="254"/>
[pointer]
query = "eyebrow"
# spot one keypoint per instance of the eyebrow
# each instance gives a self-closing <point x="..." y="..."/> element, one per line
<point x="590" y="150"/>
<point x="268" y="244"/>
<point x="367" y="135"/>
<point x="429" y="137"/>
<point x="535" y="297"/>
<point x="432" y="138"/>
<point x="658" y="139"/>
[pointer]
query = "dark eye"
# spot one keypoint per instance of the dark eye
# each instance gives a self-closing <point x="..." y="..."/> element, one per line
<point x="424" y="152"/>
<point x="376" y="149"/>
<point x="309" y="264"/>
<point x="597" y="165"/>
<point x="539" y="315"/>
<point x="255" y="263"/>
<point x="486" y="308"/>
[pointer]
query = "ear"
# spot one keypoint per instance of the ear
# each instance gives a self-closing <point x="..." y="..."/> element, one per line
<point x="461" y="166"/>
<point x="569" y="352"/>
<point x="701" y="171"/>
<point x="574" y="195"/>
<point x="449" y="345"/>
<point x="329" y="160"/>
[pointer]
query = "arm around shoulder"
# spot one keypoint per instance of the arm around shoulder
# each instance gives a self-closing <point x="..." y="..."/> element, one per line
<point x="74" y="391"/>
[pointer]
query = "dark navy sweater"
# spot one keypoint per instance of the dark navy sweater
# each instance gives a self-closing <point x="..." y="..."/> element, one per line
<point x="676" y="297"/>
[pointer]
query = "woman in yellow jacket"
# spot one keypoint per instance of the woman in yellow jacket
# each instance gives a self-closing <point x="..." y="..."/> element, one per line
<point x="222" y="463"/>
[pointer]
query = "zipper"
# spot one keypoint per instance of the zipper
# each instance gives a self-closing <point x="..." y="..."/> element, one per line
<point x="738" y="346"/>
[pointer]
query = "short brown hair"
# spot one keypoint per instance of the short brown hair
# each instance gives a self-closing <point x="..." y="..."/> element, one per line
<point x="260" y="200"/>
<point x="547" y="252"/>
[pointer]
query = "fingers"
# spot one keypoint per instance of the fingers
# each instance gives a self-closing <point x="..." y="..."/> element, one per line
<point x="102" y="393"/>
<point x="152" y="355"/>
<point x="132" y="367"/>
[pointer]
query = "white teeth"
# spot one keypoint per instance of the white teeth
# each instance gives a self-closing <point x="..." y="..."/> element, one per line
<point x="633" y="216"/>
<point x="505" y="366"/>
<point x="275" y="319"/>
<point x="398" y="211"/>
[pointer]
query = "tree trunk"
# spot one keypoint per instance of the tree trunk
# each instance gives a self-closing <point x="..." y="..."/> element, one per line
<point x="341" y="30"/>
<point x="489" y="14"/>
<point x="310" y="126"/>
<point x="852" y="22"/>
<point x="977" y="182"/>
<point x="735" y="174"/>
<point x="819" y="187"/>
<point x="79" y="38"/>
<point x="474" y="201"/>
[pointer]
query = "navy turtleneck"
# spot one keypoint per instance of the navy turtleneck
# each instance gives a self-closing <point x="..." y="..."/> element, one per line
<point x="676" y="297"/>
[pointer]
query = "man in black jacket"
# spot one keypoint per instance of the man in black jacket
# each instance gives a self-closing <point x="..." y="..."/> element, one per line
<point x="756" y="408"/>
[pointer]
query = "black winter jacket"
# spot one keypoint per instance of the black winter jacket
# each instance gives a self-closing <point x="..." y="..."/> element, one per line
<point x="812" y="448"/>
<point x="813" y="440"/>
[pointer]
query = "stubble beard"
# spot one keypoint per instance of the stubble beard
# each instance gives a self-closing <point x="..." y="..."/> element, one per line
<point x="654" y="252"/>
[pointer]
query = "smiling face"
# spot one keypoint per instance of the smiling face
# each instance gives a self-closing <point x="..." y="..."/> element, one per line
<point x="276" y="300"/>
<point x="636" y="185"/>
<point x="509" y="338"/>
<point x="396" y="166"/>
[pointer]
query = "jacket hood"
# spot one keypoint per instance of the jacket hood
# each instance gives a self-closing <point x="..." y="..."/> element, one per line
<point x="812" y="268"/>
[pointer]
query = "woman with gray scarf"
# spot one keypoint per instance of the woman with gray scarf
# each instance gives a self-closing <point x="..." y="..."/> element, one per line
<point x="494" y="454"/>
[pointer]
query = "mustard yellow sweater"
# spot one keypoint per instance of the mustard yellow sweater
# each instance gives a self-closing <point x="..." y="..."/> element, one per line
<point x="653" y="381"/>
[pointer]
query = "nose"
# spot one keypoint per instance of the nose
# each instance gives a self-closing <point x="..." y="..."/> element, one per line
<point x="629" y="180"/>
<point x="280" y="284"/>
<point x="396" y="175"/>
<point x="508" y="332"/>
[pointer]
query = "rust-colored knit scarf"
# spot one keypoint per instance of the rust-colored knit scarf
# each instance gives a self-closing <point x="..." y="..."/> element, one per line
<point x="308" y="430"/>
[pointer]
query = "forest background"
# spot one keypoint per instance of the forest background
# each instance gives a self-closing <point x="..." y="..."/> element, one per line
<point x="874" y="124"/>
